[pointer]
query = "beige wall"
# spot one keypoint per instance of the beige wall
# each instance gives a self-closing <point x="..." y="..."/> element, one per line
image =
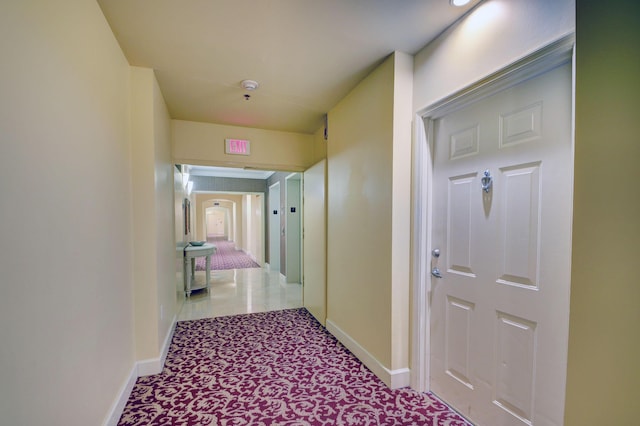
<point x="203" y="144"/>
<point x="66" y="306"/>
<point x="401" y="211"/>
<point x="144" y="206"/>
<point x="253" y="227"/>
<point x="168" y="301"/>
<point x="153" y="217"/>
<point x="319" y="151"/>
<point x="494" y="35"/>
<point x="367" y="279"/>
<point x="255" y="238"/>
<point x="604" y="341"/>
<point x="181" y="240"/>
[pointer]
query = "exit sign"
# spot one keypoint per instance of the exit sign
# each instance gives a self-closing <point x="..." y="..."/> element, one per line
<point x="237" y="147"/>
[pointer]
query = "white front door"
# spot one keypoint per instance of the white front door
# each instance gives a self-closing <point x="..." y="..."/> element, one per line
<point x="500" y="312"/>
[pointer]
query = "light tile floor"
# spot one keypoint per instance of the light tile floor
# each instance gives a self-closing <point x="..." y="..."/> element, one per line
<point x="241" y="291"/>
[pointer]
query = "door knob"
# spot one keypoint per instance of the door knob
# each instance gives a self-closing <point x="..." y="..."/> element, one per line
<point x="436" y="273"/>
<point x="487" y="181"/>
<point x="435" y="252"/>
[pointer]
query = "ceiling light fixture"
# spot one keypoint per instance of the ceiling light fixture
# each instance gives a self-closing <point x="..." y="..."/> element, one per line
<point x="460" y="3"/>
<point x="249" y="85"/>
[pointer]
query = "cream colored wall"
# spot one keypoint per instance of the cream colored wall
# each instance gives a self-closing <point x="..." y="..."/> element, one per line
<point x="66" y="304"/>
<point x="252" y="227"/>
<point x="145" y="240"/>
<point x="153" y="216"/>
<point x="319" y="148"/>
<point x="180" y="238"/>
<point x="203" y="144"/>
<point x="494" y="35"/>
<point x="167" y="309"/>
<point x="604" y="341"/>
<point x="367" y="279"/>
<point x="256" y="237"/>
<point x="246" y="221"/>
<point x="401" y="210"/>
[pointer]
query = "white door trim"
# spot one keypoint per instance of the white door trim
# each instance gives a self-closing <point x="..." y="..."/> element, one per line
<point x="554" y="54"/>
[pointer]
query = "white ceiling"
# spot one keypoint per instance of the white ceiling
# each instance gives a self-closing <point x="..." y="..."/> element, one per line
<point x="305" y="54"/>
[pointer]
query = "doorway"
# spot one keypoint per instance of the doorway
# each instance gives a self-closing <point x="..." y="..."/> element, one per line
<point x="217" y="222"/>
<point x="494" y="193"/>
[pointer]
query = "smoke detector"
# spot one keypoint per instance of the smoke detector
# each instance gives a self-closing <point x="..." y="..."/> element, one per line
<point x="249" y="85"/>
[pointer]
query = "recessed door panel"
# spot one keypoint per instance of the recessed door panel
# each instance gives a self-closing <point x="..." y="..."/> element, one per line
<point x="515" y="360"/>
<point x="458" y="333"/>
<point x="465" y="142"/>
<point x="459" y="226"/>
<point x="519" y="225"/>
<point x="520" y="126"/>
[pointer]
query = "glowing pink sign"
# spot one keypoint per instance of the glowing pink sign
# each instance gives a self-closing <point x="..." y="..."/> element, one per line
<point x="237" y="147"/>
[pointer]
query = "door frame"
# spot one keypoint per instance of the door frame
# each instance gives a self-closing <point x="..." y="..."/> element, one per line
<point x="548" y="57"/>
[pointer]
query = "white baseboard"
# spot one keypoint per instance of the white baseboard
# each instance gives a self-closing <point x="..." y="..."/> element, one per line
<point x="394" y="379"/>
<point x="123" y="396"/>
<point x="148" y="367"/>
<point x="140" y="368"/>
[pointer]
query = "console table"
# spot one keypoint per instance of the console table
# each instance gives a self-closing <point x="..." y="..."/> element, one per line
<point x="190" y="254"/>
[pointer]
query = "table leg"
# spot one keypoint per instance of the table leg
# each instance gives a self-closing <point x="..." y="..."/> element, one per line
<point x="187" y="278"/>
<point x="208" y="269"/>
<point x="193" y="271"/>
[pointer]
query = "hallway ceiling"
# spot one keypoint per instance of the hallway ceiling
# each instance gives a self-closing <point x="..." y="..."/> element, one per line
<point x="229" y="172"/>
<point x="305" y="54"/>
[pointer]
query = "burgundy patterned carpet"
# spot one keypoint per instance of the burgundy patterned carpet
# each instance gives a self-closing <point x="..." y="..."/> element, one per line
<point x="226" y="257"/>
<point x="271" y="368"/>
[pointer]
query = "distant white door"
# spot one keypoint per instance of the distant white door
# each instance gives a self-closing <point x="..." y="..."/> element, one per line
<point x="217" y="224"/>
<point x="315" y="242"/>
<point x="274" y="214"/>
<point x="500" y="312"/>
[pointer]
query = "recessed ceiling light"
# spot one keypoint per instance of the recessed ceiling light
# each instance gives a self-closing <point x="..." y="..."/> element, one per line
<point x="460" y="2"/>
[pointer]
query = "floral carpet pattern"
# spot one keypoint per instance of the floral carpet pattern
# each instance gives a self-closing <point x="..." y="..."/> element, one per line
<point x="271" y="368"/>
<point x="226" y="257"/>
